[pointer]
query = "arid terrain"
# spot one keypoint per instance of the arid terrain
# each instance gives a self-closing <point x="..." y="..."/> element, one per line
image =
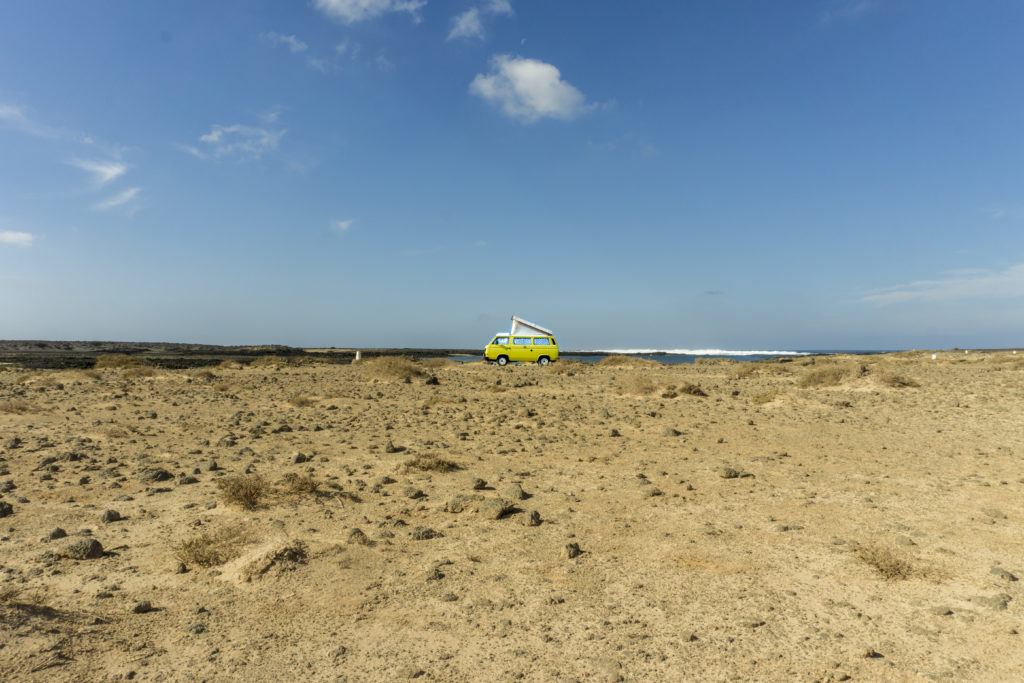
<point x="825" y="519"/>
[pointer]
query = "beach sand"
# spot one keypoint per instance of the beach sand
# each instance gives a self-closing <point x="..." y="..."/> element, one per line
<point x="824" y="519"/>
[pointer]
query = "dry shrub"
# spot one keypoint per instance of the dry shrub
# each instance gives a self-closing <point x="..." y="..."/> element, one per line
<point x="897" y="381"/>
<point x="765" y="397"/>
<point x="390" y="367"/>
<point x="244" y="491"/>
<point x="113" y="431"/>
<point x="886" y="561"/>
<point x="826" y="377"/>
<point x="214" y="548"/>
<point x="138" y="371"/>
<point x="434" y="363"/>
<point x="118" y="360"/>
<point x="302" y="400"/>
<point x="203" y="374"/>
<point x="86" y="374"/>
<point x="431" y="463"/>
<point x="692" y="390"/>
<point x="568" y="367"/>
<point x="230" y="365"/>
<point x="497" y="388"/>
<point x="299" y="485"/>
<point x="639" y="385"/>
<point x="9" y="593"/>
<point x="619" y="361"/>
<point x="17" y="406"/>
<point x="704" y="360"/>
<point x="222" y="388"/>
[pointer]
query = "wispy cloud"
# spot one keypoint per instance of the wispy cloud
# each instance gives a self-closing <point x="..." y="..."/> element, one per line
<point x="956" y="286"/>
<point x="342" y="226"/>
<point x="17" y="239"/>
<point x="121" y="199"/>
<point x="351" y="11"/>
<point x="102" y="171"/>
<point x="291" y="42"/>
<point x="15" y="118"/>
<point x="529" y="90"/>
<point x="469" y="24"/>
<point x="237" y="142"/>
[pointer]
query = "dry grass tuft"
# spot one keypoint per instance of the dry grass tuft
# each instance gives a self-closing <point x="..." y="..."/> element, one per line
<point x="299" y="485"/>
<point x="569" y="367"/>
<point x="86" y="374"/>
<point x="897" y="381"/>
<point x="639" y="385"/>
<point x="302" y="400"/>
<point x="627" y="362"/>
<point x="886" y="561"/>
<point x="692" y="390"/>
<point x="138" y="371"/>
<point x="118" y="360"/>
<point x="230" y="365"/>
<point x="390" y="367"/>
<point x="431" y="463"/>
<point x="16" y="406"/>
<point x="765" y="397"/>
<point x="113" y="431"/>
<point x="244" y="491"/>
<point x="269" y="362"/>
<point x="282" y="558"/>
<point x="826" y="377"/>
<point x="203" y="374"/>
<point x="214" y="548"/>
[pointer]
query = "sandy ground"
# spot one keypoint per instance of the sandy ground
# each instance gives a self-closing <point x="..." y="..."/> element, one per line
<point x="622" y="528"/>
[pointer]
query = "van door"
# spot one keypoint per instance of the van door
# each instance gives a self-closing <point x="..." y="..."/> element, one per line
<point x="522" y="349"/>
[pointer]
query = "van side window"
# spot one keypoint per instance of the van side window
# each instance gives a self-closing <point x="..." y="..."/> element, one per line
<point x="501" y="340"/>
<point x="522" y="341"/>
<point x="542" y="341"/>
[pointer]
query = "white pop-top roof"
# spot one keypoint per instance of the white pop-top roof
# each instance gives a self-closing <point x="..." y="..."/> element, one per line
<point x="520" y="326"/>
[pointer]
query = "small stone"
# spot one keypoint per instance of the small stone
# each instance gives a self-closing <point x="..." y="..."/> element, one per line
<point x="871" y="653"/>
<point x="6" y="509"/>
<point x="110" y="516"/>
<point x="212" y="466"/>
<point x="531" y="518"/>
<point x="197" y="628"/>
<point x="422" y="533"/>
<point x="449" y="597"/>
<point x="494" y="508"/>
<point x="434" y="574"/>
<point x="941" y="611"/>
<point x="1001" y="573"/>
<point x="154" y="474"/>
<point x="299" y="458"/>
<point x="357" y="537"/>
<point x="671" y="431"/>
<point x="514" y="492"/>
<point x="392" y="448"/>
<point x="84" y="549"/>
<point x="186" y="479"/>
<point x="729" y="473"/>
<point x="572" y="550"/>
<point x="614" y="432"/>
<point x="688" y="636"/>
<point x="996" y="602"/>
<point x="180" y="568"/>
<point x="478" y="484"/>
<point x="413" y="493"/>
<point x="994" y="514"/>
<point x="142" y="607"/>
<point x="57" y="533"/>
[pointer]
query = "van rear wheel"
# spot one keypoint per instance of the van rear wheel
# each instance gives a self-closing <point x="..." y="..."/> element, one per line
<point x="543" y="360"/>
<point x="502" y="360"/>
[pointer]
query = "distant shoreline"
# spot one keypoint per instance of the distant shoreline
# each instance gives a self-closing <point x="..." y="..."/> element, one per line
<point x="45" y="354"/>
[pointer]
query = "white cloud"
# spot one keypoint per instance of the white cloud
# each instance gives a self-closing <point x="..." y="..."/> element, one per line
<point x="119" y="199"/>
<point x="351" y="11"/>
<point x="847" y="11"/>
<point x="499" y="7"/>
<point x="15" y="117"/>
<point x="291" y="42"/>
<point x="467" y="25"/>
<point x="242" y="143"/>
<point x="528" y="90"/>
<point x="342" y="226"/>
<point x="18" y="239"/>
<point x="102" y="171"/>
<point x="957" y="286"/>
<point x="317" y="64"/>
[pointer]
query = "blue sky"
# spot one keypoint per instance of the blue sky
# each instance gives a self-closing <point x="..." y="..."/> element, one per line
<point x="731" y="174"/>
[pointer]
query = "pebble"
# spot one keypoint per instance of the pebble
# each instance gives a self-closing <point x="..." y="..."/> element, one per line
<point x="57" y="533"/>
<point x="422" y="533"/>
<point x="84" y="549"/>
<point x="142" y="607"/>
<point x="478" y="484"/>
<point x="572" y="550"/>
<point x="6" y="509"/>
<point x="494" y="508"/>
<point x="531" y="518"/>
<point x="1001" y="573"/>
<point x="110" y="516"/>
<point x="514" y="492"/>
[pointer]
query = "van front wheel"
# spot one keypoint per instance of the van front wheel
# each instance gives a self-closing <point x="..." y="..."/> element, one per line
<point x="543" y="360"/>
<point x="502" y="360"/>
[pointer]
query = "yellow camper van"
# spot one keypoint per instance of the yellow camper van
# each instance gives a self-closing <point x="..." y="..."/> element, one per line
<point x="525" y="342"/>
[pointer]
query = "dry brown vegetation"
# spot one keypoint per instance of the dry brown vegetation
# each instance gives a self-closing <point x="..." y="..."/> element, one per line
<point x="628" y="362"/>
<point x="435" y="363"/>
<point x="213" y="548"/>
<point x="390" y="368"/>
<point x="302" y="400"/>
<point x="118" y="360"/>
<point x="828" y="376"/>
<point x="889" y="563"/>
<point x="138" y="371"/>
<point x="245" y="491"/>
<point x="431" y="463"/>
<point x="897" y="381"/>
<point x="16" y="405"/>
<point x="637" y="385"/>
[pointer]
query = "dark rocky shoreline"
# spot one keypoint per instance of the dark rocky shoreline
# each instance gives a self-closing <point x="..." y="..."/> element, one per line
<point x="40" y="354"/>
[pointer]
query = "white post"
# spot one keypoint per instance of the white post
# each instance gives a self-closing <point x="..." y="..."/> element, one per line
<point x="359" y="355"/>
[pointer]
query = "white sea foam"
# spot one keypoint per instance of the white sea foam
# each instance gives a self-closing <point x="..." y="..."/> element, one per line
<point x="701" y="352"/>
